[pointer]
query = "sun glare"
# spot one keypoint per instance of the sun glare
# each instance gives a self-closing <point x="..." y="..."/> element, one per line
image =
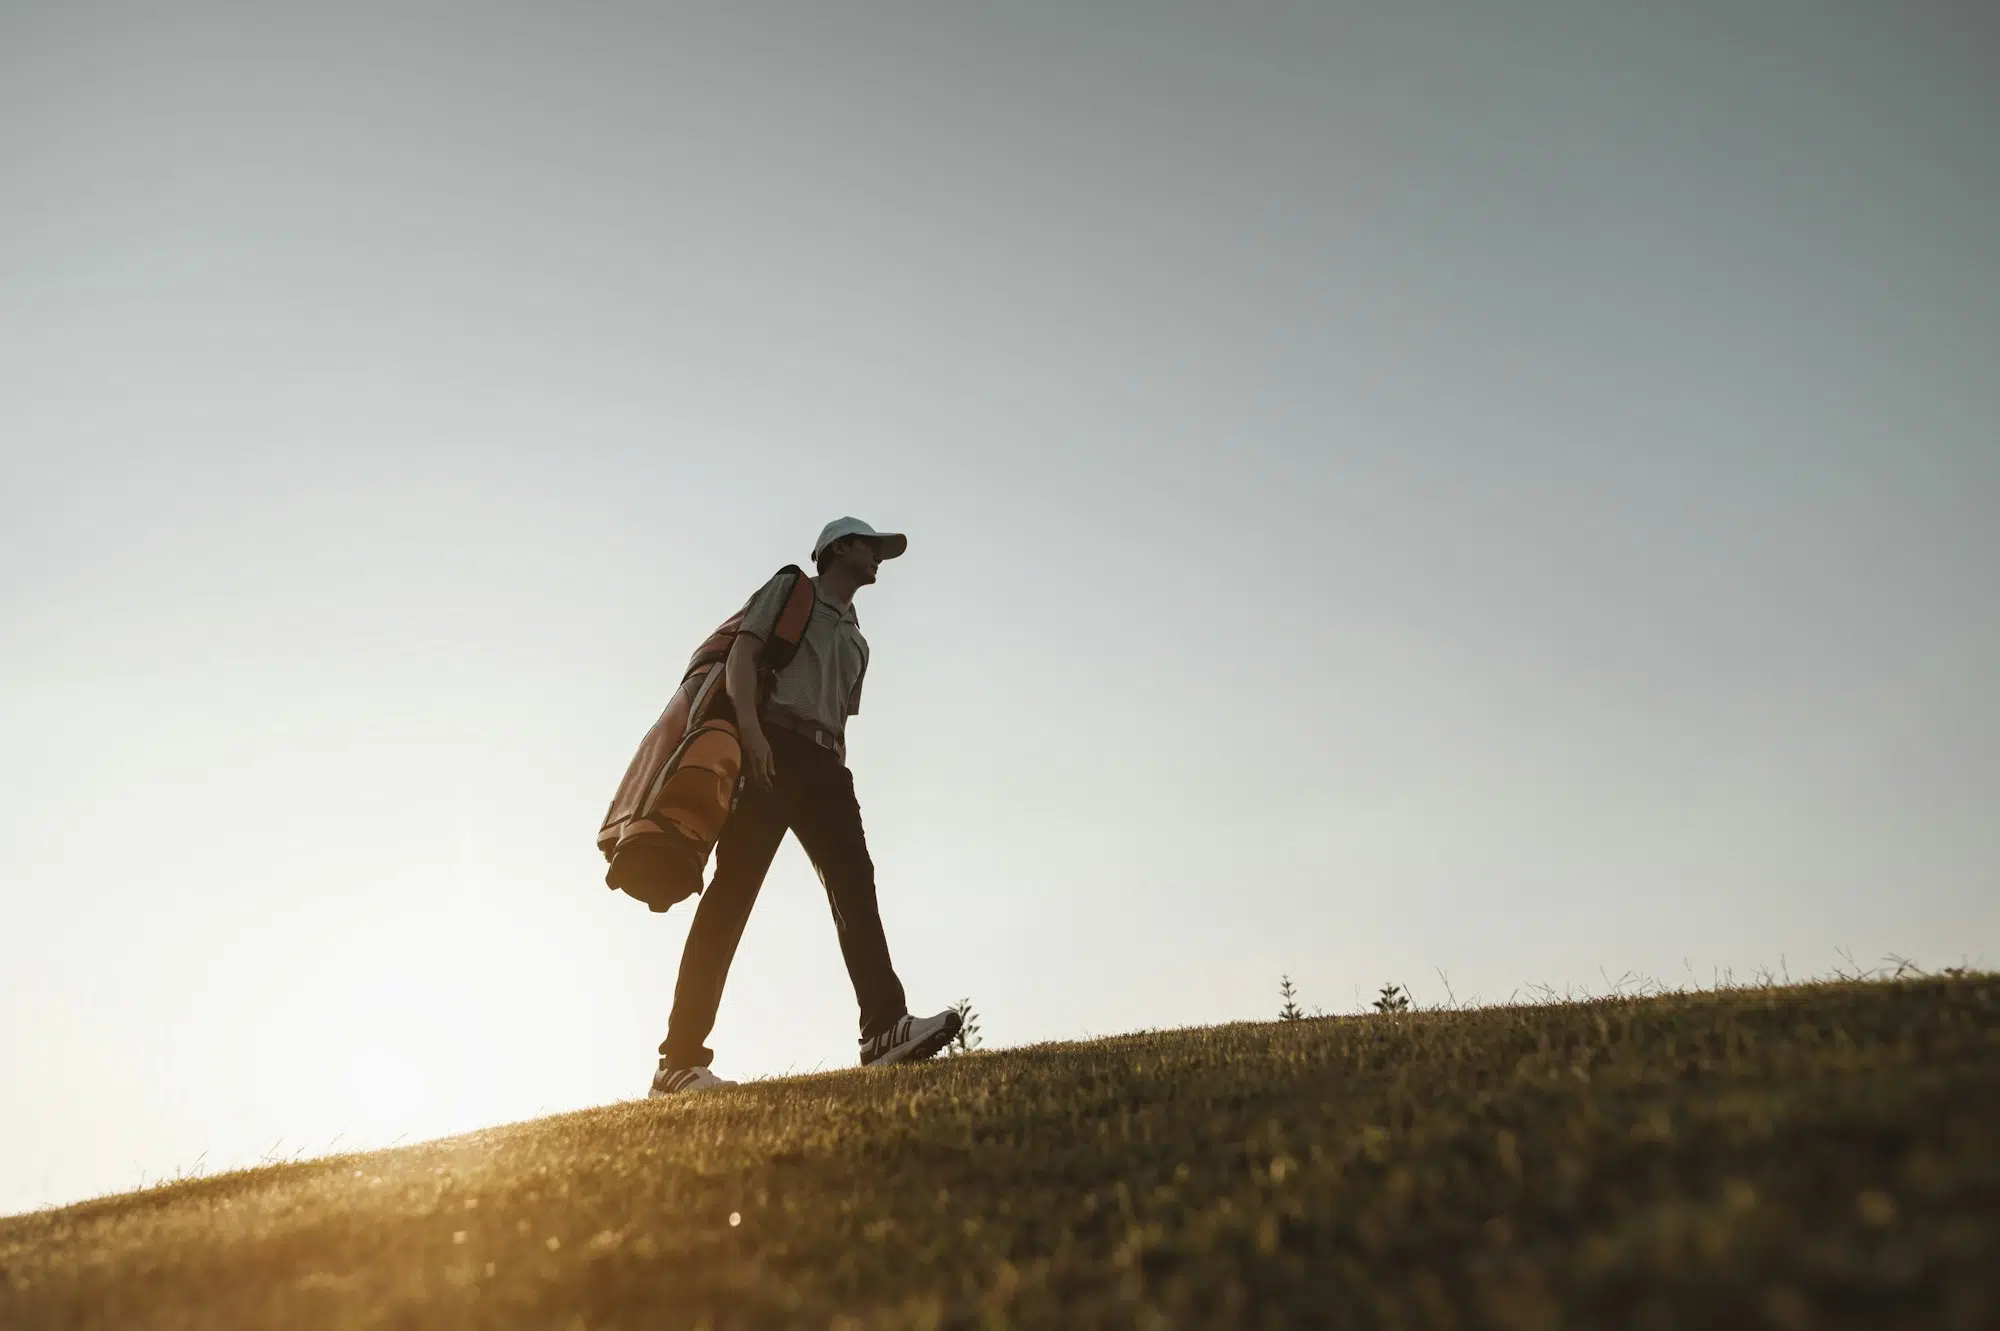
<point x="409" y="1058"/>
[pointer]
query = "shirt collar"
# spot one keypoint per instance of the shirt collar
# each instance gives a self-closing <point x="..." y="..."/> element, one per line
<point x="847" y="614"/>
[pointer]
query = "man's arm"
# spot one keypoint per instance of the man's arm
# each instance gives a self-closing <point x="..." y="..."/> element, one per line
<point x="739" y="675"/>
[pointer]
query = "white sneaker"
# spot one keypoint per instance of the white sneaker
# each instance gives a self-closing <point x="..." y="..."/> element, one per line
<point x="911" y="1040"/>
<point x="673" y="1081"/>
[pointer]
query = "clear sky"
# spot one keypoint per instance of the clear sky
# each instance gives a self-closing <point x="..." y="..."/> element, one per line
<point x="1506" y="489"/>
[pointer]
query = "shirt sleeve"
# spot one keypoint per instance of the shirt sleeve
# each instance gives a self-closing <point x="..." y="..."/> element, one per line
<point x="760" y="613"/>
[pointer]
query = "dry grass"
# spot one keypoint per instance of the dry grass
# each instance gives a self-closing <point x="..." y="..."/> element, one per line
<point x="1810" y="1156"/>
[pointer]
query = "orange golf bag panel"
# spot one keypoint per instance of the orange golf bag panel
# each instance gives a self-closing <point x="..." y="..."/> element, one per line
<point x="680" y="786"/>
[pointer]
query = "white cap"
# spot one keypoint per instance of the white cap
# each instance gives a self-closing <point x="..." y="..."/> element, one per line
<point x="893" y="543"/>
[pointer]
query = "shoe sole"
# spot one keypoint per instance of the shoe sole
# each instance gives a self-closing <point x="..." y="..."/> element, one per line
<point x="916" y="1051"/>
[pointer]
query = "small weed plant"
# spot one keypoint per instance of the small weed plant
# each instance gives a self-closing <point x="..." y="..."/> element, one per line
<point x="968" y="1038"/>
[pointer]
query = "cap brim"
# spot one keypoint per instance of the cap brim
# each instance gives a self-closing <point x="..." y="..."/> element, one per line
<point x="893" y="543"/>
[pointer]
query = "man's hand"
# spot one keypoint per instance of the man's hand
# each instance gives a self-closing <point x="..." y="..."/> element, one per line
<point x="758" y="763"/>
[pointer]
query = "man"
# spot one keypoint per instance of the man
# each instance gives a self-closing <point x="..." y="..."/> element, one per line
<point x="795" y="776"/>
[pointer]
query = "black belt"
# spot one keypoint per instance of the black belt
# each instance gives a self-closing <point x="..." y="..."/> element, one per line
<point x="819" y="735"/>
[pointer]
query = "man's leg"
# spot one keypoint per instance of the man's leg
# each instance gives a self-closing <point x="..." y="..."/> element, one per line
<point x="827" y="820"/>
<point x="742" y="857"/>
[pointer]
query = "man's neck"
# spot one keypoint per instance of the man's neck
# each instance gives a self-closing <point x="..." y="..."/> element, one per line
<point x="837" y="589"/>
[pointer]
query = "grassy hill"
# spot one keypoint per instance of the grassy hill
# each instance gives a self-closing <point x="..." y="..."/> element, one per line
<point x="1802" y="1157"/>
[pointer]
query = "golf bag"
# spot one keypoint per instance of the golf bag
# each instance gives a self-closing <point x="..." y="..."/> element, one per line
<point x="680" y="787"/>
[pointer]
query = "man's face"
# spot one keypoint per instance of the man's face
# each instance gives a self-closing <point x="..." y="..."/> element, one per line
<point x="862" y="557"/>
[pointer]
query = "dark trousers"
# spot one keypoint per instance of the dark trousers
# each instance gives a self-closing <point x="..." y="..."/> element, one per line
<point x="813" y="796"/>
